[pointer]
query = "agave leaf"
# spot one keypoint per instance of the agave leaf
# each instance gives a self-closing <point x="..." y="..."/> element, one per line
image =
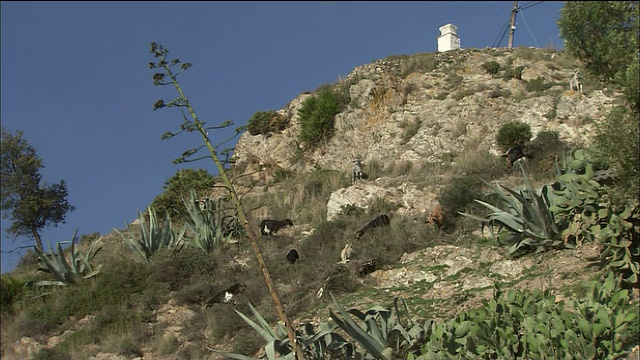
<point x="207" y="224"/>
<point x="265" y="325"/>
<point x="50" y="283"/>
<point x="154" y="238"/>
<point x="375" y="332"/>
<point x="266" y="333"/>
<point x="474" y="217"/>
<point x="369" y="343"/>
<point x="270" y="349"/>
<point x="65" y="271"/>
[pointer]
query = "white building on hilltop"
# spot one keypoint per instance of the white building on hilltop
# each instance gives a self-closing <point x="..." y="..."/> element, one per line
<point x="448" y="39"/>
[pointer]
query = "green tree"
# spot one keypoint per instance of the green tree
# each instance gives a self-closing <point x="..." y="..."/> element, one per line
<point x="604" y="35"/>
<point x="618" y="142"/>
<point x="178" y="186"/>
<point x="28" y="202"/>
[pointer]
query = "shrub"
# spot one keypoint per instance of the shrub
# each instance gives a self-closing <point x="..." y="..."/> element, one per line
<point x="454" y="81"/>
<point x="352" y="210"/>
<point x="176" y="268"/>
<point x="263" y="122"/>
<point x="317" y="116"/>
<point x="121" y="278"/>
<point x="378" y="206"/>
<point x="402" y="167"/>
<point x="464" y="93"/>
<point x="618" y="141"/>
<point x="179" y="185"/>
<point x="553" y="112"/>
<point x="527" y="222"/>
<point x="52" y="354"/>
<point x="374" y="169"/>
<point x="409" y="88"/>
<point x="340" y="281"/>
<point x="409" y="129"/>
<point x="545" y="149"/>
<point x="492" y="67"/>
<point x="441" y="96"/>
<point x="513" y="133"/>
<point x="421" y="62"/>
<point x="546" y="141"/>
<point x="88" y="238"/>
<point x="460" y="193"/>
<point x="526" y="53"/>
<point x="511" y="73"/>
<point x="321" y="182"/>
<point x="247" y="342"/>
<point x="28" y="260"/>
<point x="11" y="291"/>
<point x="129" y="347"/>
<point x="537" y="85"/>
<point x="281" y="175"/>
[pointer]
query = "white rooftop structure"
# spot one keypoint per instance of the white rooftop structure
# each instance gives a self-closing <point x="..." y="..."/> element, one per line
<point x="448" y="39"/>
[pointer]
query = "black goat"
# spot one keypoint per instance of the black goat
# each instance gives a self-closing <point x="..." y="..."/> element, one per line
<point x="515" y="153"/>
<point x="270" y="227"/>
<point x="292" y="256"/>
<point x="223" y="297"/>
<point x="382" y="220"/>
<point x="367" y="267"/>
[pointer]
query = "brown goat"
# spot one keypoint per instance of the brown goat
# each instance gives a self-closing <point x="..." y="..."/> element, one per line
<point x="436" y="217"/>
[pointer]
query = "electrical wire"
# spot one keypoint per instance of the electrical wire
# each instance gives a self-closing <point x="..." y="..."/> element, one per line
<point x="504" y="29"/>
<point x="530" y="32"/>
<point x="526" y="6"/>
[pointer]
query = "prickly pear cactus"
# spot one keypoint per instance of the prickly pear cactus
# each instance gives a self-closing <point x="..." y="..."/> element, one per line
<point x="580" y="203"/>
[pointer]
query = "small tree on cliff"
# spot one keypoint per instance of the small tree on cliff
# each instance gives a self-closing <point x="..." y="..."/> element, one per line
<point x="604" y="35"/>
<point x="29" y="203"/>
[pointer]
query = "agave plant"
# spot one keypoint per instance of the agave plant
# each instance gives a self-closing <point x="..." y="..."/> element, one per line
<point x="527" y="222"/>
<point x="381" y="332"/>
<point x="206" y="223"/>
<point x="316" y="343"/>
<point x="68" y="272"/>
<point x="155" y="238"/>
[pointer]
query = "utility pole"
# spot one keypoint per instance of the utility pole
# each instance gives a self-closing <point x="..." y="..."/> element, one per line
<point x="513" y="24"/>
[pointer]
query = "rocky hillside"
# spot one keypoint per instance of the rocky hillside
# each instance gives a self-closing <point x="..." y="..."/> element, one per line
<point x="417" y="123"/>
<point x="435" y="108"/>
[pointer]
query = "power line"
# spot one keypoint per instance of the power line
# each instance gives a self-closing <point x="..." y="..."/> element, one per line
<point x="530" y="32"/>
<point x="505" y="28"/>
<point x="523" y="7"/>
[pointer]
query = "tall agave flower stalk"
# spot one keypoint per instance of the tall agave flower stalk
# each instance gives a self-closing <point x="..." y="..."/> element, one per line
<point x="192" y="123"/>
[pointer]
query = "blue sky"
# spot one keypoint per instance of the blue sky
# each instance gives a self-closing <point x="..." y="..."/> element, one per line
<point x="75" y="78"/>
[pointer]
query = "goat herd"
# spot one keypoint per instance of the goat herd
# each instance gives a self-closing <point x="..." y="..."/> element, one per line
<point x="270" y="227"/>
